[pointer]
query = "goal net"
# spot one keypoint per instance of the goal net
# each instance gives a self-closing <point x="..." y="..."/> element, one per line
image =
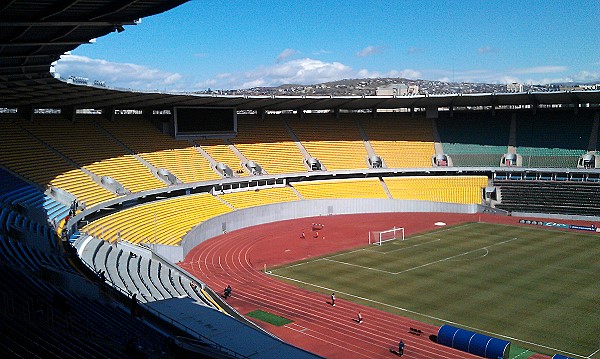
<point x="379" y="237"/>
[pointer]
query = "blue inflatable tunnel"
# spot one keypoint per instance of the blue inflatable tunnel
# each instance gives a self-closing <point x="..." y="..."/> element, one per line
<point x="473" y="343"/>
<point x="558" y="356"/>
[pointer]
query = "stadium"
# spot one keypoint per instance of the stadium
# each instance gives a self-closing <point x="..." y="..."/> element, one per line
<point x="464" y="225"/>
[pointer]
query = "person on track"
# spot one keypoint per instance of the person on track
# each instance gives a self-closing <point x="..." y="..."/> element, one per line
<point x="333" y="299"/>
<point x="401" y="348"/>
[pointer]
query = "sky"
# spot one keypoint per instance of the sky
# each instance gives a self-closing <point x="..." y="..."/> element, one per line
<point x="235" y="44"/>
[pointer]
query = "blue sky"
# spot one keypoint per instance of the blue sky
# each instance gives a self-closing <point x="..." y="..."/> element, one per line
<point x="240" y="44"/>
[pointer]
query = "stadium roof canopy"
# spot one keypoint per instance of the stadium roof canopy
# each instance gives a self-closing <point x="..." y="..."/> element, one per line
<point x="35" y="33"/>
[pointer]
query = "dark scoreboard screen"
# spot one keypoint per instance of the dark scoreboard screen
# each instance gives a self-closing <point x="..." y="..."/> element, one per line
<point x="205" y="120"/>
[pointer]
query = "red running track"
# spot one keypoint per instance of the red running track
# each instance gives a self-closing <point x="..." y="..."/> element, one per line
<point x="238" y="259"/>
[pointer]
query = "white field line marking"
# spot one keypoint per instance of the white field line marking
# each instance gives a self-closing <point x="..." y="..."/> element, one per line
<point x="369" y="250"/>
<point x="406" y="270"/>
<point x="414" y="245"/>
<point x="356" y="265"/>
<point x="426" y="234"/>
<point x="482" y="256"/>
<point x="423" y="265"/>
<point x="591" y="355"/>
<point x="433" y="317"/>
<point x="455" y="256"/>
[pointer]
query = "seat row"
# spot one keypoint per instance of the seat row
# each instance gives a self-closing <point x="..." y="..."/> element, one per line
<point x="137" y="273"/>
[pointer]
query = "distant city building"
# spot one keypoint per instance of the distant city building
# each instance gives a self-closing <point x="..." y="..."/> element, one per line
<point x="580" y="87"/>
<point x="514" y="87"/>
<point x="397" y="90"/>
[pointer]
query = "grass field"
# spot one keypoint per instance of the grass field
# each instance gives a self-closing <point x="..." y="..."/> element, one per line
<point x="537" y="287"/>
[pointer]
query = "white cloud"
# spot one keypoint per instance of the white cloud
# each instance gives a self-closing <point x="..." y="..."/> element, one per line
<point x="414" y="50"/>
<point x="515" y="75"/>
<point x="118" y="74"/>
<point x="299" y="71"/>
<point x="406" y="73"/>
<point x="321" y="52"/>
<point x="541" y="70"/>
<point x="369" y="50"/>
<point x="285" y="54"/>
<point x="581" y="76"/>
<point x="303" y="71"/>
<point x="485" y="50"/>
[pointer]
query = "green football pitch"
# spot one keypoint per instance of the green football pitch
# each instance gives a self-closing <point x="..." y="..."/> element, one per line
<point x="537" y="287"/>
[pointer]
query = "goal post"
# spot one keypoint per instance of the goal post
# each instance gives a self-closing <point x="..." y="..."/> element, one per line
<point x="379" y="237"/>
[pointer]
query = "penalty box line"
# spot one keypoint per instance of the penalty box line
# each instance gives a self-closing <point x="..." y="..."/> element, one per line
<point x="426" y="234"/>
<point x="455" y="256"/>
<point x="422" y="265"/>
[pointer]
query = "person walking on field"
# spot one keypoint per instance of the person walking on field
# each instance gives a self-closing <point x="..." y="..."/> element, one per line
<point x="333" y="299"/>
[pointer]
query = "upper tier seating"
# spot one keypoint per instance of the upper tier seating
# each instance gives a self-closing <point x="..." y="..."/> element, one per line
<point x="268" y="143"/>
<point x="400" y="140"/>
<point x="553" y="138"/>
<point x="23" y="154"/>
<point x="162" y="151"/>
<point x="474" y="138"/>
<point x="460" y="189"/>
<point x="219" y="150"/>
<point x="336" y="143"/>
<point x="16" y="192"/>
<point x="162" y="222"/>
<point x="93" y="149"/>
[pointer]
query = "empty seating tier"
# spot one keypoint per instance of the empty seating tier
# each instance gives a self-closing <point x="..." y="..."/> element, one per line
<point x="336" y="143"/>
<point x="462" y="189"/>
<point x="353" y="188"/>
<point x="549" y="197"/>
<point x="400" y="140"/>
<point x="259" y="198"/>
<point x="187" y="164"/>
<point x="268" y="143"/>
<point x="474" y="138"/>
<point x="92" y="148"/>
<point x="162" y="222"/>
<point x="161" y="150"/>
<point x="128" y="171"/>
<point x="221" y="153"/>
<point x="553" y="138"/>
<point x="82" y="141"/>
<point x="28" y="157"/>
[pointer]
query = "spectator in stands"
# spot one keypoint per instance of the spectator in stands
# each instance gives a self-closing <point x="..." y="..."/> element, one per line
<point x="134" y="305"/>
<point x="102" y="275"/>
